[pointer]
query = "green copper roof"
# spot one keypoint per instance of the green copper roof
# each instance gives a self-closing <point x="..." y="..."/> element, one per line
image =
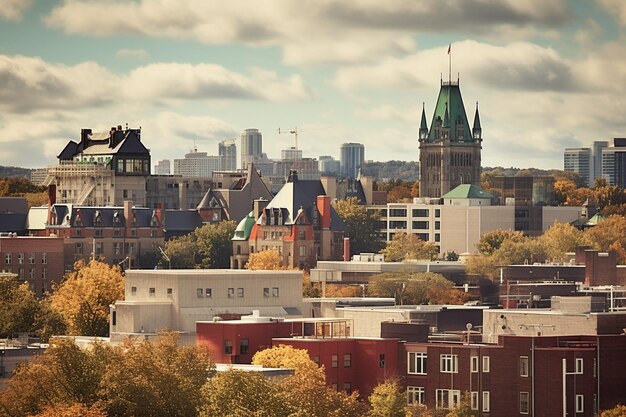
<point x="468" y="191"/>
<point x="242" y="232"/>
<point x="597" y="218"/>
<point x="450" y="100"/>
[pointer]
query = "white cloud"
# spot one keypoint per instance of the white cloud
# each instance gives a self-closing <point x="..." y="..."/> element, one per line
<point x="13" y="9"/>
<point x="139" y="54"/>
<point x="28" y="84"/>
<point x="308" y="31"/>
<point x="616" y="8"/>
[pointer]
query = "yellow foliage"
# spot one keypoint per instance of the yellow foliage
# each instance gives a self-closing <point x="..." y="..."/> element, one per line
<point x="71" y="410"/>
<point x="268" y="260"/>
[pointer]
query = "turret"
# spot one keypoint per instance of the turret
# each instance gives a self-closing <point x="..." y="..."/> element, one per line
<point x="477" y="131"/>
<point x="423" y="132"/>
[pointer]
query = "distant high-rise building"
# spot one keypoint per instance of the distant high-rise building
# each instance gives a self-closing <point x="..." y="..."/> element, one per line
<point x="352" y="157"/>
<point x="614" y="163"/>
<point x="450" y="150"/>
<point x="329" y="165"/>
<point x="579" y="161"/>
<point x="196" y="164"/>
<point x="291" y="154"/>
<point x="227" y="151"/>
<point x="162" y="167"/>
<point x="596" y="153"/>
<point x="251" y="147"/>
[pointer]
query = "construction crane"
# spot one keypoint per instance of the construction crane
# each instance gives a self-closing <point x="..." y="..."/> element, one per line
<point x="292" y="132"/>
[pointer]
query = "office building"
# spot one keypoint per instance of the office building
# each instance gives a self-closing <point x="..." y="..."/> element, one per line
<point x="352" y="157"/>
<point x="329" y="166"/>
<point x="251" y="147"/>
<point x="579" y="161"/>
<point x="197" y="164"/>
<point x="227" y="151"/>
<point x="614" y="163"/>
<point x="450" y="151"/>
<point x="163" y="167"/>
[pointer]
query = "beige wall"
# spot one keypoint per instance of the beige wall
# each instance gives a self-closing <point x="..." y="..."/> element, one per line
<point x="559" y="214"/>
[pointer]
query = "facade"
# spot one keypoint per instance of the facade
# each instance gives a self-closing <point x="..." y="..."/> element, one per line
<point x="163" y="167"/>
<point x="522" y="191"/>
<point x="35" y="260"/>
<point x="579" y="161"/>
<point x="614" y="163"/>
<point x="329" y="165"/>
<point x="251" y="147"/>
<point x="352" y="157"/>
<point x="102" y="169"/>
<point x="176" y="299"/>
<point x="197" y="164"/>
<point x="227" y="151"/>
<point x="299" y="222"/>
<point x="450" y="151"/>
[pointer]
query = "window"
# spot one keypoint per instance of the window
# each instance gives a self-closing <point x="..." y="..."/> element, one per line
<point x="266" y="292"/>
<point x="98" y="248"/>
<point x="381" y="360"/>
<point x="199" y="292"/>
<point x="437" y="212"/>
<point x="208" y="292"/>
<point x="20" y="258"/>
<point x="98" y="232"/>
<point x="231" y="293"/>
<point x="474" y="400"/>
<point x="44" y="273"/>
<point x="334" y="361"/>
<point x="447" y="398"/>
<point x="474" y="363"/>
<point x="228" y="347"/>
<point x="31" y="273"/>
<point x="416" y="363"/>
<point x="243" y="346"/>
<point x="524" y="403"/>
<point x="240" y="292"/>
<point x="420" y="225"/>
<point x="275" y="292"/>
<point x="133" y="290"/>
<point x="580" y="403"/>
<point x="169" y="292"/>
<point x="78" y="248"/>
<point x="301" y="234"/>
<point x="347" y="387"/>
<point x="523" y="366"/>
<point x="437" y="225"/>
<point x="347" y="360"/>
<point x="31" y="260"/>
<point x="579" y="366"/>
<point x="485" y="363"/>
<point x="21" y="273"/>
<point x="485" y="401"/>
<point x="8" y="258"/>
<point x="420" y="212"/>
<point x="414" y="395"/>
<point x="302" y="250"/>
<point x="448" y="363"/>
<point x="152" y="291"/>
<point x="116" y="248"/>
<point x="397" y="212"/>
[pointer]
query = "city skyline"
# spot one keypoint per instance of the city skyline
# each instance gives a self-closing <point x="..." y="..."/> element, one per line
<point x="547" y="75"/>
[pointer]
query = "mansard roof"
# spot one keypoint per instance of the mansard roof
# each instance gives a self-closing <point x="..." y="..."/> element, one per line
<point x="450" y="103"/>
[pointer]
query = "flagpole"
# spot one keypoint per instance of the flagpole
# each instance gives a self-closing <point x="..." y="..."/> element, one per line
<point x="449" y="63"/>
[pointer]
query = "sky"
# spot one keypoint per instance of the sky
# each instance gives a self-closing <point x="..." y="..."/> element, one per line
<point x="546" y="74"/>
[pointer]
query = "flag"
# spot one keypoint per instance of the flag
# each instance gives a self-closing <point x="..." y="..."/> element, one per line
<point x="449" y="48"/>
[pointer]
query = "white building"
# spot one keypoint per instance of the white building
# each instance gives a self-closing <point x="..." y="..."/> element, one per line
<point x="197" y="164"/>
<point x="175" y="299"/>
<point x="227" y="151"/>
<point x="163" y="167"/>
<point x="579" y="160"/>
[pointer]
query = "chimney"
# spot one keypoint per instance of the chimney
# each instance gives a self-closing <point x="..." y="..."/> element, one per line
<point x="346" y="249"/>
<point x="128" y="215"/>
<point x="323" y="206"/>
<point x="119" y="128"/>
<point x="84" y="137"/>
<point x="293" y="176"/>
<point x="52" y="199"/>
<point x="258" y="207"/>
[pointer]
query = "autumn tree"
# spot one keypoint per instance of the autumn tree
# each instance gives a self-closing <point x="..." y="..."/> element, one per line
<point x="208" y="246"/>
<point x="82" y="299"/>
<point x="387" y="401"/>
<point x="415" y="288"/>
<point x="361" y="226"/>
<point x="561" y="238"/>
<point x="265" y="260"/>
<point x="608" y="231"/>
<point x="617" y="411"/>
<point x="19" y="307"/>
<point x="71" y="410"/>
<point x="404" y="247"/>
<point x="491" y="241"/>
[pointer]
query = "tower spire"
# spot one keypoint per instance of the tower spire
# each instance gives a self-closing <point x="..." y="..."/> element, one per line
<point x="477" y="130"/>
<point x="423" y="132"/>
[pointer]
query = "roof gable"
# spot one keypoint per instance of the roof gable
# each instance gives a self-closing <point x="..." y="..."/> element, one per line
<point x="467" y="191"/>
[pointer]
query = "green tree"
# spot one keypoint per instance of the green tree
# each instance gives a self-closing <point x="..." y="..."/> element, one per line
<point x="408" y="247"/>
<point x="415" y="288"/>
<point x="83" y="297"/>
<point x="208" y="246"/>
<point x="361" y="226"/>
<point x="387" y="401"/>
<point x="19" y="307"/>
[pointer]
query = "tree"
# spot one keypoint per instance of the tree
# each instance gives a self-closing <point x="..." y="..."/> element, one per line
<point x="361" y="226"/>
<point x="387" y="401"/>
<point x="464" y="408"/>
<point x="208" y="246"/>
<point x="401" y="192"/>
<point x="415" y="288"/>
<point x="265" y="260"/>
<point x="608" y="231"/>
<point x="19" y="307"/>
<point x="561" y="238"/>
<point x="72" y="410"/>
<point x="408" y="247"/>
<point x="83" y="297"/>
<point x="491" y="241"/>
<point x="241" y="393"/>
<point x="617" y="411"/>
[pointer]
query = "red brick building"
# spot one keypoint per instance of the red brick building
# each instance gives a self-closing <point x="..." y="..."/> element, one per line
<point x="36" y="260"/>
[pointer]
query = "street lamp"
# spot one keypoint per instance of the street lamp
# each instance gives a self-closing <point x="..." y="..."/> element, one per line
<point x="167" y="258"/>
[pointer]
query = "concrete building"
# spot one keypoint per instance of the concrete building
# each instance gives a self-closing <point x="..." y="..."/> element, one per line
<point x="329" y="166"/>
<point x="251" y="147"/>
<point x="450" y="151"/>
<point x="163" y="167"/>
<point x="352" y="156"/>
<point x="227" y="151"/>
<point x="579" y="161"/>
<point x="197" y="164"/>
<point x="176" y="299"/>
<point x="614" y="163"/>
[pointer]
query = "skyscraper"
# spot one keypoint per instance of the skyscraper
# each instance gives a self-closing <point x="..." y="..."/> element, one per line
<point x="227" y="151"/>
<point x="352" y="157"/>
<point x="614" y="163"/>
<point x="579" y="161"/>
<point x="329" y="165"/>
<point x="196" y="164"/>
<point x="251" y="146"/>
<point x="450" y="149"/>
<point x="162" y="167"/>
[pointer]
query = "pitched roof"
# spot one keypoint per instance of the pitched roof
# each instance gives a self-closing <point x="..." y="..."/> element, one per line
<point x="467" y="191"/>
<point x="450" y="102"/>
